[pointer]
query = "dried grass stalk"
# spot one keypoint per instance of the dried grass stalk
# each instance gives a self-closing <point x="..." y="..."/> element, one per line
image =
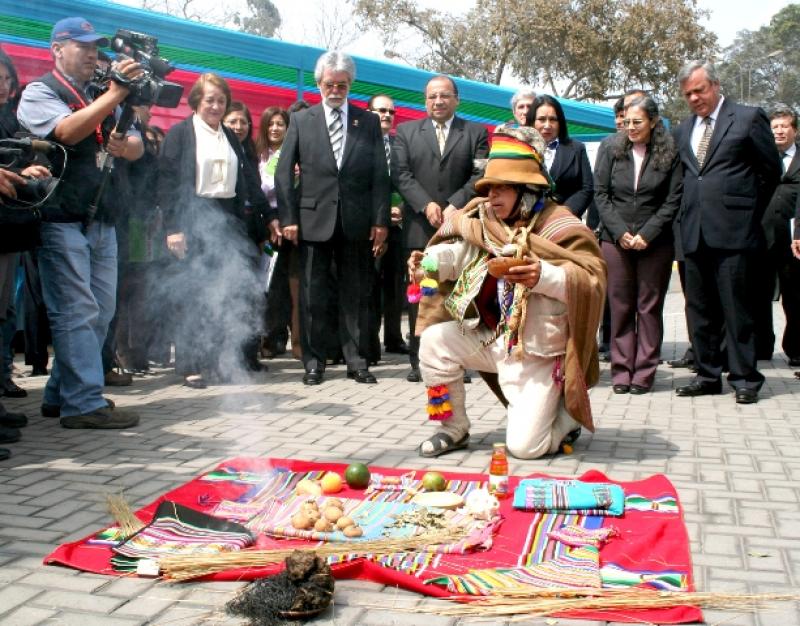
<point x="122" y="513"/>
<point x="534" y="602"/>
<point x="185" y="567"/>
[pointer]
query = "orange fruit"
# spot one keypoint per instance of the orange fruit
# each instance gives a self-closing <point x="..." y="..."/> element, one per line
<point x="331" y="483"/>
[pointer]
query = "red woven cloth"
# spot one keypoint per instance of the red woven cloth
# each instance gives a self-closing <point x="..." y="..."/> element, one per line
<point x="652" y="538"/>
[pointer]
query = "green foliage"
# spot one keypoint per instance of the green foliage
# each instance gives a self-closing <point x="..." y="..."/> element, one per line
<point x="583" y="49"/>
<point x="264" y="18"/>
<point x="762" y="67"/>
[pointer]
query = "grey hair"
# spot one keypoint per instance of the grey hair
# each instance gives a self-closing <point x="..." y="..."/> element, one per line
<point x="522" y="92"/>
<point x="687" y="70"/>
<point x="336" y="62"/>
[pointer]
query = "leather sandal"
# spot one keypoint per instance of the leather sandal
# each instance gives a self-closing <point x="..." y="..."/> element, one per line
<point x="443" y="444"/>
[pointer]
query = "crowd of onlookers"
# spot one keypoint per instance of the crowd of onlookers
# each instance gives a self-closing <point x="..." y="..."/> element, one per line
<point x="237" y="241"/>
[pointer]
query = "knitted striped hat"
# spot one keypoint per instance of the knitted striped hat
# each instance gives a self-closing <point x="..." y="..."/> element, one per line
<point x="515" y="157"/>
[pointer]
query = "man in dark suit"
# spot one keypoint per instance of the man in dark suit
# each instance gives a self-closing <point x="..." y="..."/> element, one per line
<point x="339" y="211"/>
<point x="778" y="262"/>
<point x="433" y="169"/>
<point x="731" y="168"/>
<point x="390" y="267"/>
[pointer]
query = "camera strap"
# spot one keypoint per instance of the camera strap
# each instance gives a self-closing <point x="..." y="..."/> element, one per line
<point x="82" y="104"/>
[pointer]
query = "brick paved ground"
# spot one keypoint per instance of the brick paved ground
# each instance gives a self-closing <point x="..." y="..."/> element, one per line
<point x="737" y="469"/>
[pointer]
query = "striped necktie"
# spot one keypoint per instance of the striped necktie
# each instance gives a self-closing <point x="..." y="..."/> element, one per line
<point x="702" y="147"/>
<point x="440" y="137"/>
<point x="387" y="147"/>
<point x="336" y="134"/>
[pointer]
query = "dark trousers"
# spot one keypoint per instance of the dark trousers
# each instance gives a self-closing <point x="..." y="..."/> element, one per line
<point x="720" y="306"/>
<point x="354" y="279"/>
<point x="387" y="298"/>
<point x="778" y="272"/>
<point x="37" y="326"/>
<point x="637" y="285"/>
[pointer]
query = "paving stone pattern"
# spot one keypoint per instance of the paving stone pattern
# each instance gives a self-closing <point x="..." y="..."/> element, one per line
<point x="736" y="467"/>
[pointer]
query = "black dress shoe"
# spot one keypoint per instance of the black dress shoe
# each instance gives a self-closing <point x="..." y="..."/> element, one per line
<point x="399" y="348"/>
<point x="746" y="396"/>
<point x="699" y="388"/>
<point x="414" y="376"/>
<point x="639" y="389"/>
<point x="794" y="361"/>
<point x="362" y="376"/>
<point x="312" y="377"/>
<point x="681" y="363"/>
<point x="621" y="388"/>
<point x="13" y="420"/>
<point x="13" y="390"/>
<point x="4" y="453"/>
<point x="9" y="435"/>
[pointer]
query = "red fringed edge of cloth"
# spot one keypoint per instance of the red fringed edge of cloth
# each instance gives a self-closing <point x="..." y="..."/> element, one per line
<point x="439" y="407"/>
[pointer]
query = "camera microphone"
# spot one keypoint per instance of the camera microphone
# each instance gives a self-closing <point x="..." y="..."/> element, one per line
<point x="27" y="144"/>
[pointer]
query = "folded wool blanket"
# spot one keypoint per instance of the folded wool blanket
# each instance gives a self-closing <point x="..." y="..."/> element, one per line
<point x="569" y="496"/>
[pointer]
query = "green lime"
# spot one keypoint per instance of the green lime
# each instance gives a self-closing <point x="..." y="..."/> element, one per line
<point x="357" y="475"/>
<point x="434" y="481"/>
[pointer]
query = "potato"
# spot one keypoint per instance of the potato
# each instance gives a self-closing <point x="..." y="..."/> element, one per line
<point x="322" y="525"/>
<point x="353" y="531"/>
<point x="332" y="513"/>
<point x="344" y="521"/>
<point x="301" y="521"/>
<point x="308" y="487"/>
<point x="334" y="502"/>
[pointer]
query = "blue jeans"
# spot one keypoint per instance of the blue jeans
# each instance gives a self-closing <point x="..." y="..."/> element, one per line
<point x="79" y="284"/>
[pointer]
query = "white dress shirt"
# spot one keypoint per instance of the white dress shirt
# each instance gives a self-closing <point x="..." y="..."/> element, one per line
<point x="700" y="126"/>
<point x="217" y="163"/>
<point x="788" y="155"/>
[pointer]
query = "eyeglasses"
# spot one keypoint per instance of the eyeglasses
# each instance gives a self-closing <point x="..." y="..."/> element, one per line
<point x="634" y="123"/>
<point x="383" y="111"/>
<point x="339" y="86"/>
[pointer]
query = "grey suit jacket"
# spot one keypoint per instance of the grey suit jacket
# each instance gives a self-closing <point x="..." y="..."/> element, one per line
<point x="360" y="188"/>
<point x="422" y="176"/>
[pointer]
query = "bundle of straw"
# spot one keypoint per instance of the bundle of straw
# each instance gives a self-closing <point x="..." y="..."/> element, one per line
<point x="194" y="566"/>
<point x="122" y="513"/>
<point x="533" y="602"/>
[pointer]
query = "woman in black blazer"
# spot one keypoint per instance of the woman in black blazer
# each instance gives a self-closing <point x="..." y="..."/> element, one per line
<point x="637" y="190"/>
<point x="215" y="216"/>
<point x="566" y="159"/>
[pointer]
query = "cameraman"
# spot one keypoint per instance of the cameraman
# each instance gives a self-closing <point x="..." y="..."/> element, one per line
<point x="78" y="257"/>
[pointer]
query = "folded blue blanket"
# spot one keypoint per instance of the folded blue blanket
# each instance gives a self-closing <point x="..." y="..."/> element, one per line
<point x="569" y="496"/>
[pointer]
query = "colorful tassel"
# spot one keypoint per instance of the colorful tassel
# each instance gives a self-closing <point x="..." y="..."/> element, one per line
<point x="439" y="407"/>
<point x="429" y="287"/>
<point x="430" y="264"/>
<point x="413" y="293"/>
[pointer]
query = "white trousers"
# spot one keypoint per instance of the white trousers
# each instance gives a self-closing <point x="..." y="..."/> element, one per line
<point x="537" y="419"/>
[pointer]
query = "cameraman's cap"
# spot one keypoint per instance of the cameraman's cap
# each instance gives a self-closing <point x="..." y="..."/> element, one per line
<point x="78" y="29"/>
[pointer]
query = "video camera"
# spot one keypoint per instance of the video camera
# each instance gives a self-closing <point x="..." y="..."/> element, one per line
<point x="18" y="154"/>
<point x="149" y="88"/>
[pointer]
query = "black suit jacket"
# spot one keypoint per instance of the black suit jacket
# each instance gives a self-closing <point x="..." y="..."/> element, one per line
<point x="177" y="180"/>
<point x="781" y="207"/>
<point x="726" y="198"/>
<point x="422" y="176"/>
<point x="647" y="210"/>
<point x="572" y="175"/>
<point x="360" y="189"/>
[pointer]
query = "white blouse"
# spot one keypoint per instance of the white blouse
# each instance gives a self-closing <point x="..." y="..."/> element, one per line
<point x="217" y="163"/>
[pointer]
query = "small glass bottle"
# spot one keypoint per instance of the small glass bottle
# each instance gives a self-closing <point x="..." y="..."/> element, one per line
<point x="498" y="472"/>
